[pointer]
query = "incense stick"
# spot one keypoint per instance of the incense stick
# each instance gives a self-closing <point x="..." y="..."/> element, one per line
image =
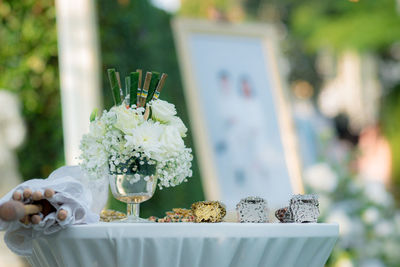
<point x="160" y="86"/>
<point x="146" y="113"/>
<point x="140" y="78"/>
<point x="153" y="84"/>
<point x="139" y="90"/>
<point x="145" y="90"/>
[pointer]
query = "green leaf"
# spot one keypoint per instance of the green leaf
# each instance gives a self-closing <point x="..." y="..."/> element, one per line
<point x="93" y="115"/>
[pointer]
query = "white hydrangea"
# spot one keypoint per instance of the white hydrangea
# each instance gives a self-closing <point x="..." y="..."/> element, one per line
<point x="97" y="129"/>
<point x="122" y="136"/>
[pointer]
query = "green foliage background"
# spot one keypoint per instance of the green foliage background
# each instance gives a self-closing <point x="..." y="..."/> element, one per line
<point x="390" y="121"/>
<point x="29" y="68"/>
<point x="134" y="34"/>
<point x="365" y="25"/>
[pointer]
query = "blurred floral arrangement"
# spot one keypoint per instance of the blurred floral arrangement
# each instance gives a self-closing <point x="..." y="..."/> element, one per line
<point x="139" y="134"/>
<point x="369" y="221"/>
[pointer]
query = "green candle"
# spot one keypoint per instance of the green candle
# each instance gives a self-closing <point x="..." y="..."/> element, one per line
<point x="153" y="84"/>
<point x="112" y="76"/>
<point x="134" y="77"/>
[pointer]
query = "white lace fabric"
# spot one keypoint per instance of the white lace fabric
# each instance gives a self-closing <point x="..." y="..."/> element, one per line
<point x="74" y="193"/>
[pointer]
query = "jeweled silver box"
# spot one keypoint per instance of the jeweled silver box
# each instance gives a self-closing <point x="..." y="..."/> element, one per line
<point x="304" y="208"/>
<point x="252" y="210"/>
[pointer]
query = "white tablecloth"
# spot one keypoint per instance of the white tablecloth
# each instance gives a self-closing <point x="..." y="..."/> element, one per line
<point x="187" y="245"/>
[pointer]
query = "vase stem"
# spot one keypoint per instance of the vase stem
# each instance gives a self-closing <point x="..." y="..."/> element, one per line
<point x="133" y="210"/>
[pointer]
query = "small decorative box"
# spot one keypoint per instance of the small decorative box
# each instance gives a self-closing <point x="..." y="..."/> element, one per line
<point x="176" y="215"/>
<point x="284" y="215"/>
<point x="208" y="211"/>
<point x="111" y="215"/>
<point x="304" y="208"/>
<point x="252" y="210"/>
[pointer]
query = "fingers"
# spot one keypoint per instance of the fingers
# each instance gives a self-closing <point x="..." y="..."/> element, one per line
<point x="17" y="196"/>
<point x="49" y="193"/>
<point x="12" y="210"/>
<point x="62" y="215"/>
<point x="27" y="193"/>
<point x="29" y="199"/>
<point x="36" y="219"/>
<point x="37" y="195"/>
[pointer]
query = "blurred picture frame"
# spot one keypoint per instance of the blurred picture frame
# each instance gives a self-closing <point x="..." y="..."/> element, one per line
<point x="240" y="119"/>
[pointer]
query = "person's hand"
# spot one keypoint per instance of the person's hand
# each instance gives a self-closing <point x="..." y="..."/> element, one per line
<point x="30" y="207"/>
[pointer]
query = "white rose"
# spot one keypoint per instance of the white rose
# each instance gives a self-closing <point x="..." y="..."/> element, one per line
<point x="162" y="111"/>
<point x="127" y="119"/>
<point x="179" y="125"/>
<point x="171" y="138"/>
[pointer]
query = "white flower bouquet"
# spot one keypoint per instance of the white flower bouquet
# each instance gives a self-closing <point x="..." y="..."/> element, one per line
<point x="138" y="135"/>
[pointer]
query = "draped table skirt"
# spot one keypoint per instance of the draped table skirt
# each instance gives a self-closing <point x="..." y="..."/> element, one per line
<point x="187" y="245"/>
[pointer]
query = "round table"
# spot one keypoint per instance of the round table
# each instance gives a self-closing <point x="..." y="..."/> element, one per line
<point x="187" y="245"/>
